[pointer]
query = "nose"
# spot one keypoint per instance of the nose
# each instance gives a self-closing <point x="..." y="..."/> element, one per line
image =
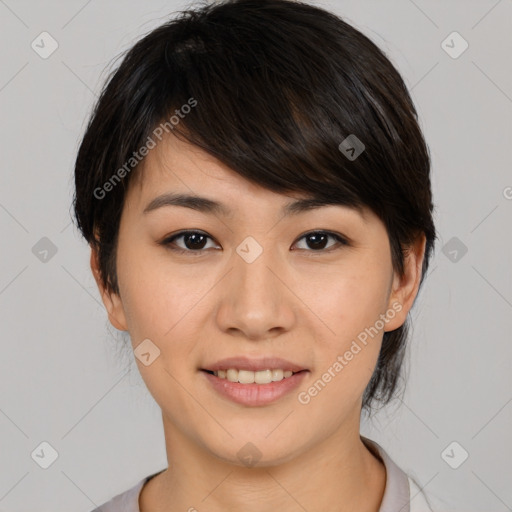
<point x="255" y="301"/>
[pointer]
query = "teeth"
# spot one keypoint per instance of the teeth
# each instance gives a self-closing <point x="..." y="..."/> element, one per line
<point x="249" y="377"/>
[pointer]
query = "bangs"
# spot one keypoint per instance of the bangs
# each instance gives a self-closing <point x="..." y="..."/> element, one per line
<point x="264" y="113"/>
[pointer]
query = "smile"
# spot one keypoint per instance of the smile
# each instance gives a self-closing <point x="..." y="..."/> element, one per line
<point x="242" y="386"/>
<point x="250" y="377"/>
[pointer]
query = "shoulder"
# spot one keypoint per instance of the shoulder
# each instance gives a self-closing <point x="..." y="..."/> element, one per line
<point x="418" y="501"/>
<point x="127" y="501"/>
<point x="401" y="492"/>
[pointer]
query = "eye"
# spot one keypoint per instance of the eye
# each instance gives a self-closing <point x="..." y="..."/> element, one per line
<point x="196" y="241"/>
<point x="318" y="239"/>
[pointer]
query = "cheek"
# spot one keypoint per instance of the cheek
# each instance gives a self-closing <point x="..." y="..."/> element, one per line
<point x="353" y="300"/>
<point x="155" y="297"/>
<point x="351" y="305"/>
<point x="165" y="306"/>
<point x="160" y="304"/>
<point x="346" y="359"/>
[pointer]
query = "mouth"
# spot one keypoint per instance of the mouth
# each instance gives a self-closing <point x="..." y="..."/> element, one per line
<point x="254" y="381"/>
<point x="256" y="365"/>
<point x="253" y="389"/>
<point x="240" y="376"/>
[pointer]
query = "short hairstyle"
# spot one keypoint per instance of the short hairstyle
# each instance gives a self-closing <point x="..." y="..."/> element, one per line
<point x="271" y="88"/>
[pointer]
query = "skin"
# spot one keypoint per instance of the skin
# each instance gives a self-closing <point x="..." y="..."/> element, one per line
<point x="294" y="301"/>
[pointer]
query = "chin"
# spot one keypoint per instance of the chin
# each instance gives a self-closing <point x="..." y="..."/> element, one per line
<point x="255" y="453"/>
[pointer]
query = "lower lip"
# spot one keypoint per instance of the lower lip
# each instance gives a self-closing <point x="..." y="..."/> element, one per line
<point x="255" y="394"/>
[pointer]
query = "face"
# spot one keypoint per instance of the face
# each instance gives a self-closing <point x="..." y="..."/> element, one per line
<point x="252" y="281"/>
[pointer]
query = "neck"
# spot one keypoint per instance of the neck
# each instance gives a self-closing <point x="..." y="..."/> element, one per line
<point x="339" y="474"/>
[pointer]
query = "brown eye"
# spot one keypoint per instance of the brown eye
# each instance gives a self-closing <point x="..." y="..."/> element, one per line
<point x="193" y="241"/>
<point x="317" y="240"/>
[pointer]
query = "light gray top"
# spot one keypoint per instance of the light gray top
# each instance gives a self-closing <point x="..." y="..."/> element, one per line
<point x="401" y="494"/>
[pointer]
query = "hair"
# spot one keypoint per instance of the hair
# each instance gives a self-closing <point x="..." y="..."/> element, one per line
<point x="276" y="86"/>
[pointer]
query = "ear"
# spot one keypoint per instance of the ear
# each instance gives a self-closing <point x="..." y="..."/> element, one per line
<point x="404" y="289"/>
<point x="111" y="300"/>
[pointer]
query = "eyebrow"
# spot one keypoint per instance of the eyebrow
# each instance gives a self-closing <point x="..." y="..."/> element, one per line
<point x="210" y="206"/>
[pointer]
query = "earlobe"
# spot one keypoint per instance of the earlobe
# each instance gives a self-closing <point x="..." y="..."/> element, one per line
<point x="405" y="288"/>
<point x="111" y="301"/>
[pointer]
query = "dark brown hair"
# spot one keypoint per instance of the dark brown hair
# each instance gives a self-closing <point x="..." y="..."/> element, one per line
<point x="273" y="87"/>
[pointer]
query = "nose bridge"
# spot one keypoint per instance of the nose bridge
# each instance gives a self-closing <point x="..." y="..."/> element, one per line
<point x="252" y="274"/>
<point x="255" y="301"/>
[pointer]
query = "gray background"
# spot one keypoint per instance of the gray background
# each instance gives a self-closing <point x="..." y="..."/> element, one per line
<point x="63" y="378"/>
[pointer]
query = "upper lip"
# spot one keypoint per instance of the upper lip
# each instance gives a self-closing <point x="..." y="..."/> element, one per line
<point x="254" y="364"/>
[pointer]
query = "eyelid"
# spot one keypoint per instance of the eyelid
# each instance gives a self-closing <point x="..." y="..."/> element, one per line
<point x="341" y="240"/>
<point x="167" y="242"/>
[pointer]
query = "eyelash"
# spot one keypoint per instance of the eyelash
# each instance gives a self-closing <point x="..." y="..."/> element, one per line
<point x="168" y="242"/>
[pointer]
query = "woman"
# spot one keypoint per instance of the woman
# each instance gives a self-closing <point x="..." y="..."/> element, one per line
<point x="255" y="189"/>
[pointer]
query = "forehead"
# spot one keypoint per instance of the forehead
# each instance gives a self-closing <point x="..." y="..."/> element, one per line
<point x="178" y="173"/>
<point x="177" y="164"/>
